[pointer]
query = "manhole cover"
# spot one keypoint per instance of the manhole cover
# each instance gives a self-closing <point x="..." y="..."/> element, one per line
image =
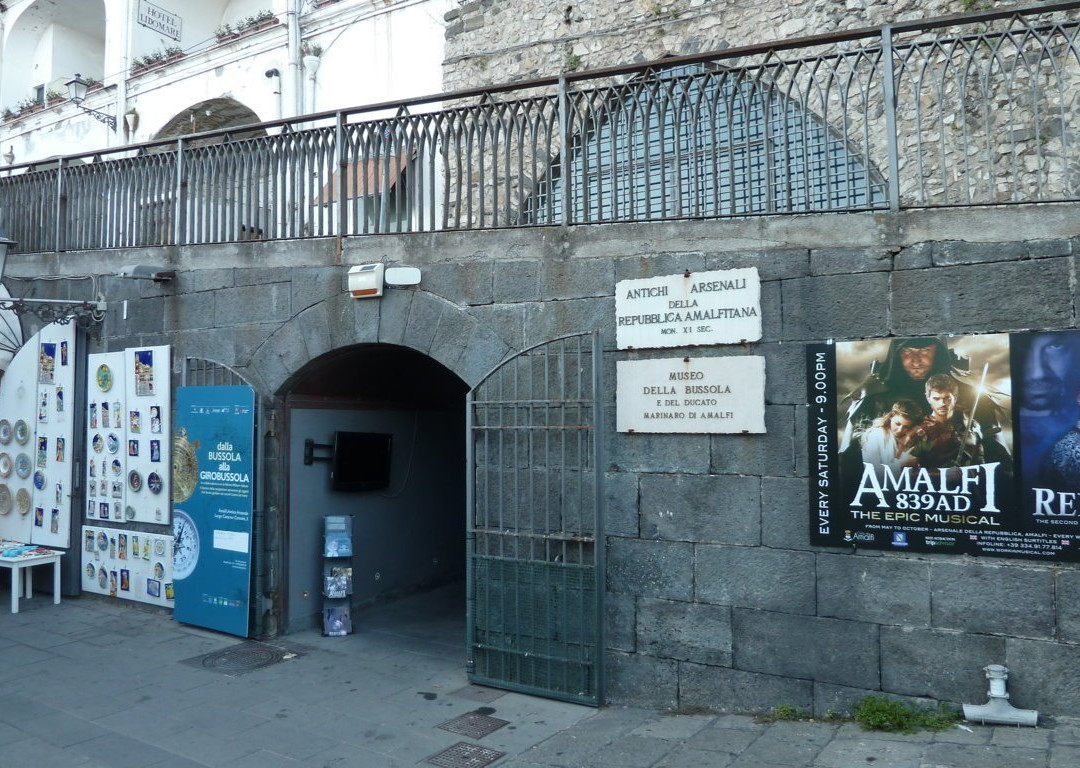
<point x="240" y="658"/>
<point x="465" y="755"/>
<point x="474" y="724"/>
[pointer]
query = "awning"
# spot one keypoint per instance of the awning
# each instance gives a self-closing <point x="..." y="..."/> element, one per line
<point x="365" y="177"/>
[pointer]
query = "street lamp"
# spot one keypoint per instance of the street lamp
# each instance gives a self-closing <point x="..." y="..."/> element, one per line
<point x="77" y="92"/>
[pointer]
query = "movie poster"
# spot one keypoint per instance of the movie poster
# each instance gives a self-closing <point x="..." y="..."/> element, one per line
<point x="963" y="444"/>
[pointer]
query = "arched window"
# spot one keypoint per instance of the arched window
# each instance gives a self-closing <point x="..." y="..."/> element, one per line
<point x="689" y="142"/>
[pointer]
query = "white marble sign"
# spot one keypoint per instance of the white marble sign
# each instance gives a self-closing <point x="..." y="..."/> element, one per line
<point x="691" y="395"/>
<point x="691" y="309"/>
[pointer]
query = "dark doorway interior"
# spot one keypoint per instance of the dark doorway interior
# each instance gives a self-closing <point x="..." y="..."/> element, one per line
<point x="409" y="536"/>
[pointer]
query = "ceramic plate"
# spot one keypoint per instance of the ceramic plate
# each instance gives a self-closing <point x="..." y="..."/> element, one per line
<point x="117" y="468"/>
<point x="99" y="443"/>
<point x="129" y="512"/>
<point x="23" y="466"/>
<point x="159" y="571"/>
<point x="153" y="482"/>
<point x="102" y="541"/>
<point x="103" y="578"/>
<point x="5" y="499"/>
<point x="135" y="480"/>
<point x="104" y="378"/>
<point x="39" y="480"/>
<point x="113" y="443"/>
<point x="5" y="431"/>
<point x="159" y="546"/>
<point x="22" y="432"/>
<point x="5" y="465"/>
<point x="90" y="570"/>
<point x="22" y="501"/>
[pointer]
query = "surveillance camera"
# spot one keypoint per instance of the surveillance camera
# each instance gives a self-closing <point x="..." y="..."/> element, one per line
<point x="273" y="73"/>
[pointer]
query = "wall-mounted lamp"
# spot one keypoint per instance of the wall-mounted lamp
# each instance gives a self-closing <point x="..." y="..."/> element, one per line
<point x="131" y="120"/>
<point x="77" y="93"/>
<point x="145" y="272"/>
<point x="9" y="156"/>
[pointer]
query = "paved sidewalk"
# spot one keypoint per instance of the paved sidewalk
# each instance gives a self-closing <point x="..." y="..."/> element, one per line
<point x="95" y="682"/>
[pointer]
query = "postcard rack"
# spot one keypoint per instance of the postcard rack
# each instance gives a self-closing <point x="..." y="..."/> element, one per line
<point x="337" y="584"/>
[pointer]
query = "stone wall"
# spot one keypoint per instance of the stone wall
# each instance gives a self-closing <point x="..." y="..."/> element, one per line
<point x="715" y="596"/>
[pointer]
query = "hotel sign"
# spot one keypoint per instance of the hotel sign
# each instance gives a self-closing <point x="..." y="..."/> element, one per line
<point x="689" y="309"/>
<point x="160" y="20"/>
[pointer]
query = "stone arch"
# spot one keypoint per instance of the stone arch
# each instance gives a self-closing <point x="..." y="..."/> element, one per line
<point x="415" y="319"/>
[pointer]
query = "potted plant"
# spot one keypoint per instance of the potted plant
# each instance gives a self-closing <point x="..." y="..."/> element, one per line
<point x="308" y="48"/>
<point x="157" y="58"/>
<point x="52" y="98"/>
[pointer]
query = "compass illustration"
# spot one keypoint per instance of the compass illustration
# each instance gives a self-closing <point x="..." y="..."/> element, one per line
<point x="185" y="467"/>
<point x="185" y="545"/>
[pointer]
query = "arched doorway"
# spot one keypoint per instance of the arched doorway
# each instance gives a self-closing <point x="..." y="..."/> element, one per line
<point x="408" y="536"/>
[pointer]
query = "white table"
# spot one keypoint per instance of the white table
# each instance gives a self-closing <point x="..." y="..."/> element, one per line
<point x="25" y="563"/>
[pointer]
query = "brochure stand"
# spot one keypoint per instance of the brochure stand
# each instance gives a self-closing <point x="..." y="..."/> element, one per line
<point x="337" y="575"/>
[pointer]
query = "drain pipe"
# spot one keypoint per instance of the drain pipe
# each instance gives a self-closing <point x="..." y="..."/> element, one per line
<point x="998" y="710"/>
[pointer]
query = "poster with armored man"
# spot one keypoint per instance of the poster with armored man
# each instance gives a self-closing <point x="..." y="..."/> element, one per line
<point x="962" y="444"/>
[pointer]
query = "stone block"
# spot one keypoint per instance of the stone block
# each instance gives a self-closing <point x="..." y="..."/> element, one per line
<point x="145" y="315"/>
<point x="772" y="263"/>
<point x="785" y="373"/>
<point x="188" y="311"/>
<point x="635" y="267"/>
<point x="199" y="280"/>
<point x="424" y="314"/>
<point x="916" y="256"/>
<point x="642" y="681"/>
<point x="835" y="306"/>
<point x="1048" y="249"/>
<point x="516" y="281"/>
<point x="575" y="278"/>
<point x="662" y="569"/>
<point x="551" y="319"/>
<point x="950" y="253"/>
<point x="312" y="285"/>
<point x="315" y="329"/>
<point x="784" y="518"/>
<point x="1068" y="606"/>
<point x="844" y="261"/>
<point x="462" y="282"/>
<point x="621" y="614"/>
<point x="755" y="577"/>
<point x="621" y="504"/>
<point x="732" y="690"/>
<point x="506" y="320"/>
<point x="980" y="299"/>
<point x="269" y="368"/>
<point x="995" y="599"/>
<point x="837" y="698"/>
<point x="1042" y="675"/>
<point x="824" y="650"/>
<point x="673" y="629"/>
<point x="981" y="756"/>
<point x="937" y="664"/>
<point x="266" y="303"/>
<point x="772" y="315"/>
<point x="656" y="453"/>
<point x="771" y="454"/>
<point x="698" y="508"/>
<point x="394" y="310"/>
<point x="882" y="590"/>
<point x="289" y="345"/>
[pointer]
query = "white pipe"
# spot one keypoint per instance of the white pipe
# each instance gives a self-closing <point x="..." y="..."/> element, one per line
<point x="296" y="75"/>
<point x="998" y="710"/>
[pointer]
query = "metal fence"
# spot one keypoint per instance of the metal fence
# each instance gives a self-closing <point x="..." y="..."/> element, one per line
<point x="975" y="109"/>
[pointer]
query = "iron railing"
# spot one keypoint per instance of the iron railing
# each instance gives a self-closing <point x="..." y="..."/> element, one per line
<point x="974" y="109"/>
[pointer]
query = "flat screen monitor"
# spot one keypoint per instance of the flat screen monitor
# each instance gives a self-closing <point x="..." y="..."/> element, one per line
<point x="361" y="461"/>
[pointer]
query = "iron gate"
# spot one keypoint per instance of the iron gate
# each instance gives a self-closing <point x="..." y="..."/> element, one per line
<point x="534" y="533"/>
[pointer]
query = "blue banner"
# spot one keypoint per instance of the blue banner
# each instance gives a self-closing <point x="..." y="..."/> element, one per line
<point x="213" y="485"/>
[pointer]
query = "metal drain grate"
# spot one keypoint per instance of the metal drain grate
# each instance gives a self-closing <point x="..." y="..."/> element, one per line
<point x="475" y="725"/>
<point x="465" y="755"/>
<point x="241" y="658"/>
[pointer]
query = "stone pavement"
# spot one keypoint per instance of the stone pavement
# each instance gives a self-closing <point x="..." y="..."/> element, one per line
<point x="94" y="682"/>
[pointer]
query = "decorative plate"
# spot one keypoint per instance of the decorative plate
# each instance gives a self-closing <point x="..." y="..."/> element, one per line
<point x="5" y="431"/>
<point x="23" y="466"/>
<point x="103" y="578"/>
<point x="5" y="465"/>
<point x="129" y="512"/>
<point x="22" y="501"/>
<point x="22" y="432"/>
<point x="5" y="499"/>
<point x="91" y="571"/>
<point x="159" y="571"/>
<point x="98" y="443"/>
<point x="153" y="482"/>
<point x="39" y="480"/>
<point x="104" y="377"/>
<point x="113" y="443"/>
<point x="102" y="540"/>
<point x="117" y="468"/>
<point x="185" y="467"/>
<point x="135" y="480"/>
<point x="159" y="547"/>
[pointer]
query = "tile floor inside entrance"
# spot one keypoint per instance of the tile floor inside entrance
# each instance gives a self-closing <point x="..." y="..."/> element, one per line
<point x="96" y="682"/>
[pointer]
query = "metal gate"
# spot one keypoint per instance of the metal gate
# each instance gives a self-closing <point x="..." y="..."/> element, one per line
<point x="534" y="534"/>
